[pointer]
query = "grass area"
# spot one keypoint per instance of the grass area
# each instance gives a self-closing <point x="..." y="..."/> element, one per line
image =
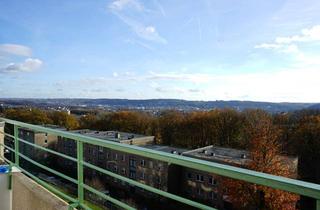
<point x="92" y="205"/>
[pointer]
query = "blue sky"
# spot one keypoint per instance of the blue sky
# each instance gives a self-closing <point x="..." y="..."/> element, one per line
<point x="195" y="50"/>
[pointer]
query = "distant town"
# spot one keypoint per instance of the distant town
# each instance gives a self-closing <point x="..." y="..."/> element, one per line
<point x="149" y="105"/>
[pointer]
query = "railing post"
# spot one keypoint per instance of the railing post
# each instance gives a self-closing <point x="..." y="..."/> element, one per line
<point x="80" y="171"/>
<point x="16" y="144"/>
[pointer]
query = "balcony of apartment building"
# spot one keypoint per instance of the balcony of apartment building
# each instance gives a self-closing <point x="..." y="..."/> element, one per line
<point x="42" y="190"/>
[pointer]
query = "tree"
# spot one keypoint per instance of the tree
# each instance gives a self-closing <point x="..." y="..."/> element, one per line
<point x="265" y="157"/>
<point x="64" y="119"/>
<point x="169" y="123"/>
<point x="88" y="121"/>
<point x="307" y="144"/>
<point x="229" y="124"/>
<point x="32" y="115"/>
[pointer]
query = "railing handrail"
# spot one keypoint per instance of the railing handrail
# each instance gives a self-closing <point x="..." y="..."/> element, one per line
<point x="282" y="183"/>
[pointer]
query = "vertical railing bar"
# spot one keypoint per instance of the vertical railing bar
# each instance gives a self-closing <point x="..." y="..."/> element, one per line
<point x="10" y="177"/>
<point x="16" y="144"/>
<point x="80" y="171"/>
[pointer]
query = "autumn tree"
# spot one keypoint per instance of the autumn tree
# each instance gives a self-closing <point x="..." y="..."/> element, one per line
<point x="169" y="123"/>
<point x="127" y="121"/>
<point x="307" y="144"/>
<point x="88" y="121"/>
<point x="228" y="124"/>
<point x="32" y="115"/>
<point x="265" y="157"/>
<point x="64" y="119"/>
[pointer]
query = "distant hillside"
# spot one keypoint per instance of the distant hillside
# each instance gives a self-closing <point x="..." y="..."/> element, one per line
<point x="315" y="106"/>
<point x="159" y="104"/>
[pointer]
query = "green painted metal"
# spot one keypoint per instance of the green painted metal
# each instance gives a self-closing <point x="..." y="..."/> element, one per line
<point x="80" y="171"/>
<point x="73" y="206"/>
<point x="291" y="185"/>
<point x="7" y="147"/>
<point x="16" y="144"/>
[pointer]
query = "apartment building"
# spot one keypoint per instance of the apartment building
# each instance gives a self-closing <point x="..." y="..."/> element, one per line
<point x="31" y="136"/>
<point x="206" y="187"/>
<point x="148" y="171"/>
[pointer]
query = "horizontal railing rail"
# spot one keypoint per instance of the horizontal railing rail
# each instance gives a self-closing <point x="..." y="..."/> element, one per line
<point x="291" y="185"/>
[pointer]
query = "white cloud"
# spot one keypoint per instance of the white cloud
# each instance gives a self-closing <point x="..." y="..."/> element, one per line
<point x="307" y="35"/>
<point x="123" y="4"/>
<point x="29" y="65"/>
<point x="268" y="46"/>
<point x="15" y="49"/>
<point x="288" y="43"/>
<point x="144" y="31"/>
<point x="293" y="45"/>
<point x="283" y="48"/>
<point x="191" y="77"/>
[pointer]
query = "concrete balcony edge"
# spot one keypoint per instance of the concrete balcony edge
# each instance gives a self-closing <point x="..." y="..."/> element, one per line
<point x="29" y="195"/>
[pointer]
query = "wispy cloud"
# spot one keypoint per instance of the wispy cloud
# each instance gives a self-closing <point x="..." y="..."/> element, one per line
<point x="120" y="8"/>
<point x="278" y="86"/>
<point x="119" y="5"/>
<point x="289" y="43"/>
<point x="306" y="35"/>
<point x="15" y="49"/>
<point x="29" y="65"/>
<point x="294" y="44"/>
<point x="142" y="44"/>
<point x="199" y="29"/>
<point x="160" y="7"/>
<point x="177" y="76"/>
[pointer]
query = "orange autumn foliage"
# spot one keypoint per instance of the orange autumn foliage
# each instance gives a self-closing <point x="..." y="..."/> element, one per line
<point x="265" y="157"/>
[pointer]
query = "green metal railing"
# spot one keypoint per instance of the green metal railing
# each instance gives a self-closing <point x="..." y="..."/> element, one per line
<point x="276" y="182"/>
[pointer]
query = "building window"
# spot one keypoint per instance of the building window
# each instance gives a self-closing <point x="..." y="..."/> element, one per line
<point x="150" y="164"/>
<point x="200" y="178"/>
<point x="199" y="191"/>
<point x="189" y="175"/>
<point x="116" y="156"/>
<point x="212" y="180"/>
<point x="132" y="174"/>
<point x="213" y="195"/>
<point x="123" y="171"/>
<point x="123" y="158"/>
<point x="100" y="149"/>
<point x="132" y="162"/>
<point x="142" y="175"/>
<point x="115" y="168"/>
<point x="46" y="141"/>
<point x="143" y="162"/>
<point x="108" y="155"/>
